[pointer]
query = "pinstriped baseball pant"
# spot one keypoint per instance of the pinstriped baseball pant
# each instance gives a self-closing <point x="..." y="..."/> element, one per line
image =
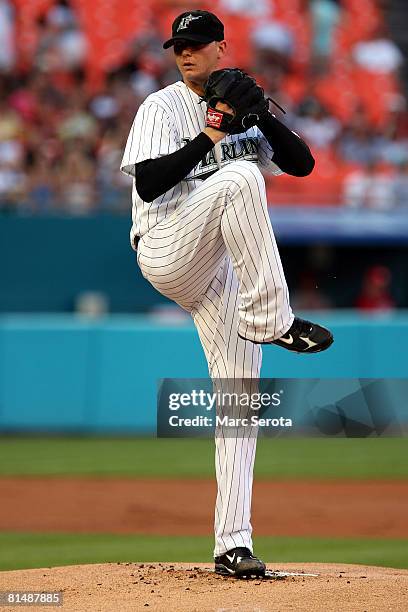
<point x="217" y="257"/>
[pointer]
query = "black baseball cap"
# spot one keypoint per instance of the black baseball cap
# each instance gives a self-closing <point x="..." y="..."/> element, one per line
<point x="197" y="26"/>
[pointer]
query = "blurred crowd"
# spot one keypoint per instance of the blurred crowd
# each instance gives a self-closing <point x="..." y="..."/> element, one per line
<point x="62" y="133"/>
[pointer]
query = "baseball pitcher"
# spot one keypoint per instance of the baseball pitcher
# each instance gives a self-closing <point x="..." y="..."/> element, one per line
<point x="204" y="239"/>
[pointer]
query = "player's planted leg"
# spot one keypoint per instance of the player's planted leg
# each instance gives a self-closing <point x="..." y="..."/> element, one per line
<point x="239" y="562"/>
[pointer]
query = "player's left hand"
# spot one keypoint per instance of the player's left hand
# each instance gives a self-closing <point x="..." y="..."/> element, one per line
<point x="224" y="108"/>
<point x="238" y="91"/>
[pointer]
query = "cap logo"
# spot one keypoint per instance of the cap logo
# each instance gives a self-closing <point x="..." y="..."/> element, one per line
<point x="184" y="23"/>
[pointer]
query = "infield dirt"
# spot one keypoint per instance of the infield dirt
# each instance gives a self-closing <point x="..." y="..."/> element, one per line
<point x="349" y="508"/>
<point x="340" y="508"/>
<point x="194" y="587"/>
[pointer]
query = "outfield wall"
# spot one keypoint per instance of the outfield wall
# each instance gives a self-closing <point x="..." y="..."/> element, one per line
<point x="64" y="373"/>
<point x="49" y="261"/>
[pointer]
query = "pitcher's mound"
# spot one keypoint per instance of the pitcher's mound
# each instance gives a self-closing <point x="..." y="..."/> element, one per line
<point x="185" y="587"/>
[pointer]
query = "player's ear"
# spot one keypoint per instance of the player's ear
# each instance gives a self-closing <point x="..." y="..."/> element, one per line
<point x="221" y="48"/>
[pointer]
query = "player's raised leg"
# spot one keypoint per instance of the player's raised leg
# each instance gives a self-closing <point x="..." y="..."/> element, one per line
<point x="225" y="216"/>
<point x="265" y="312"/>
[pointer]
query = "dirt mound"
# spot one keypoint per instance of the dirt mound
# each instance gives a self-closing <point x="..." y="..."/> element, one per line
<point x="190" y="587"/>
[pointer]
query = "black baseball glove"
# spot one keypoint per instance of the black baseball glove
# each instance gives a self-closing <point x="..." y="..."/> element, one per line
<point x="240" y="91"/>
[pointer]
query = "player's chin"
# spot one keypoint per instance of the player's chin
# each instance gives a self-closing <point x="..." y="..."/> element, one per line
<point x="193" y="73"/>
<point x="190" y="71"/>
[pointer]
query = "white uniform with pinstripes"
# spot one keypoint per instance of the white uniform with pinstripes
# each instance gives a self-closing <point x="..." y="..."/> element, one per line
<point x="208" y="244"/>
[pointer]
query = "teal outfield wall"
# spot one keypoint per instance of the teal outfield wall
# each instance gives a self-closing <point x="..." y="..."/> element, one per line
<point x="61" y="373"/>
<point x="48" y="261"/>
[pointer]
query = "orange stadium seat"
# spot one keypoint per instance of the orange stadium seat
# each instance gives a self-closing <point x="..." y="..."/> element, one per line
<point x="300" y="25"/>
<point x="294" y="87"/>
<point x="375" y="91"/>
<point x="336" y="92"/>
<point x="27" y="14"/>
<point x="312" y="191"/>
<point x="323" y="187"/>
<point x="109" y="26"/>
<point x="359" y="20"/>
<point x="238" y="34"/>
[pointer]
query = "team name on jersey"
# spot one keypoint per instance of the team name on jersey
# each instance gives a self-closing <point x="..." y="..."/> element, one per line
<point x="242" y="148"/>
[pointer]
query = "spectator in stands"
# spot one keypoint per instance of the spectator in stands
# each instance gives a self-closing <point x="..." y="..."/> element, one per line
<point x="395" y="148"/>
<point x="273" y="46"/>
<point x="11" y="126"/>
<point x="378" y="54"/>
<point x="12" y="176"/>
<point x="110" y="180"/>
<point x="369" y="187"/>
<point x="76" y="181"/>
<point x="49" y="119"/>
<point x="7" y="37"/>
<point x="401" y="185"/>
<point x="145" y="69"/>
<point x="258" y="9"/>
<point x="41" y="183"/>
<point x="359" y="142"/>
<point x="12" y="188"/>
<point x="105" y="108"/>
<point x="274" y="40"/>
<point x="62" y="45"/>
<point x="325" y="16"/>
<point x="316" y="125"/>
<point x="375" y="295"/>
<point x="77" y="121"/>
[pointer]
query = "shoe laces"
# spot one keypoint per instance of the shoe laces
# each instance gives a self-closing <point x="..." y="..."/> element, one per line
<point x="243" y="552"/>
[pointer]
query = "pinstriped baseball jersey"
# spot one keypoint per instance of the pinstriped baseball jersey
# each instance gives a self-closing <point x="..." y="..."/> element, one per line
<point x="165" y="122"/>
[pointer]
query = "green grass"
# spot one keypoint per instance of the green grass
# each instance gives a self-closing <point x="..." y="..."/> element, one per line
<point x="140" y="457"/>
<point x="29" y="550"/>
<point x="171" y="458"/>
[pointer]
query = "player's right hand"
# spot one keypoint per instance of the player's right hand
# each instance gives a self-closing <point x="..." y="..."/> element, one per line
<point x="215" y="134"/>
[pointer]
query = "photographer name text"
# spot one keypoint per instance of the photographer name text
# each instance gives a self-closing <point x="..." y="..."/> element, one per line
<point x="226" y="421"/>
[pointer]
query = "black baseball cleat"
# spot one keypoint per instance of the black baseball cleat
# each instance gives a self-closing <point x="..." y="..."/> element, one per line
<point x="239" y="562"/>
<point x="305" y="337"/>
